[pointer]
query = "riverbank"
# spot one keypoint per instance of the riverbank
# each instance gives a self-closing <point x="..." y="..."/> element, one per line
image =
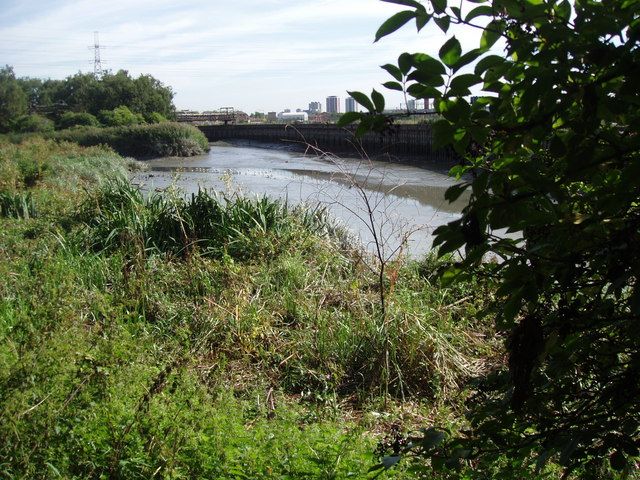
<point x="399" y="142"/>
<point x="142" y="142"/>
<point x="194" y="338"/>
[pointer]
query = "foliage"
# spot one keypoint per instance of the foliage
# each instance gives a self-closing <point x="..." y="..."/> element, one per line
<point x="155" y="117"/>
<point x="13" y="101"/>
<point x="85" y="92"/>
<point x="251" y="354"/>
<point x="33" y="123"/>
<point x="550" y="151"/>
<point x="121" y="217"/>
<point x="120" y="117"/>
<point x="74" y="119"/>
<point x="142" y="141"/>
<point x="17" y="205"/>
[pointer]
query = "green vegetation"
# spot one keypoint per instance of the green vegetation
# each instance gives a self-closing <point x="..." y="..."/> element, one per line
<point x="206" y="337"/>
<point x="13" y="100"/>
<point x="73" y="119"/>
<point x="552" y="154"/>
<point x="33" y="124"/>
<point x="142" y="141"/>
<point x="133" y="113"/>
<point x="117" y="99"/>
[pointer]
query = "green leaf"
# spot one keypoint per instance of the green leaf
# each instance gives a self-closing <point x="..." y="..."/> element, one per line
<point x="443" y="132"/>
<point x="439" y="6"/>
<point x="512" y="305"/>
<point x="563" y="9"/>
<point x="454" y="192"/>
<point x="394" y="23"/>
<point x="418" y="90"/>
<point x="363" y="100"/>
<point x="443" y="23"/>
<point x="488" y="62"/>
<point x="390" y="461"/>
<point x="491" y="34"/>
<point x="422" y="19"/>
<point x="450" y="52"/>
<point x="363" y="127"/>
<point x="467" y="58"/>
<point x="405" y="62"/>
<point x="393" y="86"/>
<point x="427" y="63"/>
<point x="460" y="84"/>
<point x="347" y="118"/>
<point x="426" y="79"/>
<point x="483" y="10"/>
<point x="434" y="437"/>
<point x="393" y="71"/>
<point x="378" y="100"/>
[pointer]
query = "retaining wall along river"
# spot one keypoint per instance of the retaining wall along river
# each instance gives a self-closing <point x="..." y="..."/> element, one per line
<point x="411" y="140"/>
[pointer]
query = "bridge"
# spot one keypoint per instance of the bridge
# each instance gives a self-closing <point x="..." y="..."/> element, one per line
<point x="226" y="116"/>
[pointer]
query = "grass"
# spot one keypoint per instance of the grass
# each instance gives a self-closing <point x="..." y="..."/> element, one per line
<point x="208" y="336"/>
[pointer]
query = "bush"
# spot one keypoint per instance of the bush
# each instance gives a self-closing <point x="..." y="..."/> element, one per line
<point x="142" y="141"/>
<point x="155" y="117"/>
<point x="121" y="116"/>
<point x="74" y="119"/>
<point x="33" y="123"/>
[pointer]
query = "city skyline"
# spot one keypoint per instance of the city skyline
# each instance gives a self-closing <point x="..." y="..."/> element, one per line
<point x="254" y="56"/>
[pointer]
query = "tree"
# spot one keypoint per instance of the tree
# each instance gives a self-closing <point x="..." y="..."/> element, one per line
<point x="551" y="153"/>
<point x="13" y="101"/>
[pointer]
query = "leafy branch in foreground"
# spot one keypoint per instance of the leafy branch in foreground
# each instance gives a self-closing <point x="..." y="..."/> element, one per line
<point x="552" y="149"/>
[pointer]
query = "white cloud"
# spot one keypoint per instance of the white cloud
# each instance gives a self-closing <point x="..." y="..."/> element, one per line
<point x="255" y="55"/>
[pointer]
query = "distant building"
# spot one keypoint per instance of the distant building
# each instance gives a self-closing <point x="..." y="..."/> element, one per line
<point x="429" y="105"/>
<point x="272" y="117"/>
<point x="333" y="104"/>
<point x="293" y="116"/>
<point x="411" y="105"/>
<point x="315" y="107"/>
<point x="350" y="105"/>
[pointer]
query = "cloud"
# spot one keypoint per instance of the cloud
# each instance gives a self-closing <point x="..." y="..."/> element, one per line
<point x="255" y="54"/>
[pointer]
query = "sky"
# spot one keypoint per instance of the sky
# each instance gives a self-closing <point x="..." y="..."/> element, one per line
<point x="253" y="55"/>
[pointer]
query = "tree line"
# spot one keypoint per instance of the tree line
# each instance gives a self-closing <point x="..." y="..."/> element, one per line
<point x="34" y="104"/>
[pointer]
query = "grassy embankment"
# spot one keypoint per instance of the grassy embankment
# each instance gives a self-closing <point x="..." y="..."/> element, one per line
<point x="204" y="338"/>
<point x="165" y="139"/>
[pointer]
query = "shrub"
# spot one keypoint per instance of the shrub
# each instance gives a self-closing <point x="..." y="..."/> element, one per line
<point x="142" y="141"/>
<point x="33" y="123"/>
<point x="73" y="119"/>
<point x="155" y="117"/>
<point x="121" y="116"/>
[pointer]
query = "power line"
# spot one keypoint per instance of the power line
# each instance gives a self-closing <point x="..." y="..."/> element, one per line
<point x="97" y="63"/>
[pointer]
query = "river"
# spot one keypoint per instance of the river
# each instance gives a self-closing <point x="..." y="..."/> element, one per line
<point x="406" y="202"/>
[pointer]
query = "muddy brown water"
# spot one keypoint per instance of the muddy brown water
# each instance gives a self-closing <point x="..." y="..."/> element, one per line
<point x="404" y="200"/>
